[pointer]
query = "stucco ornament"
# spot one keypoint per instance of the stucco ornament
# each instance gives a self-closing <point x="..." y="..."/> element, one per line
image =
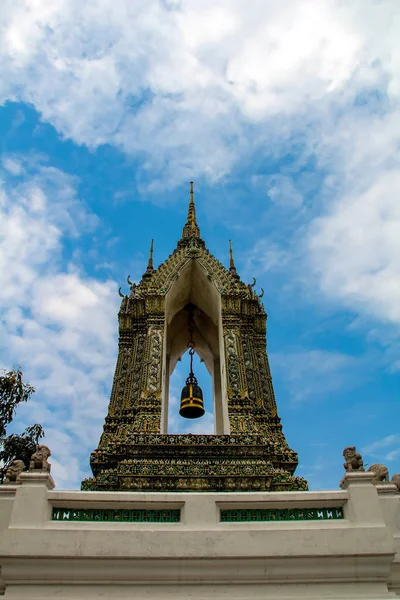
<point x="39" y="460"/>
<point x="14" y="471"/>
<point x="381" y="473"/>
<point x="354" y="461"/>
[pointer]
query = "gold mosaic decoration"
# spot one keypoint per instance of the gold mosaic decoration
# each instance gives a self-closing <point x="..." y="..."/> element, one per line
<point x="132" y="453"/>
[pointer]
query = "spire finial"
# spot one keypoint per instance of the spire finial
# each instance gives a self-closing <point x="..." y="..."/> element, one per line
<point x="150" y="268"/>
<point x="232" y="267"/>
<point x="191" y="229"/>
<point x="191" y="193"/>
<point x="150" y="263"/>
<point x="231" y="261"/>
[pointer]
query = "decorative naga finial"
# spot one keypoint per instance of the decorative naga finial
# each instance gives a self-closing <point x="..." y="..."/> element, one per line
<point x="150" y="268"/>
<point x="232" y="268"/>
<point x="191" y="229"/>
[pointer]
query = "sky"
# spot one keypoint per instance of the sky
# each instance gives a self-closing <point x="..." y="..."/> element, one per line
<point x="286" y="116"/>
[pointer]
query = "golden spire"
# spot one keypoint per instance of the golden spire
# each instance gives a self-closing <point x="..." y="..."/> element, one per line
<point x="232" y="267"/>
<point x="150" y="268"/>
<point x="150" y="263"/>
<point x="191" y="229"/>
<point x="231" y="261"/>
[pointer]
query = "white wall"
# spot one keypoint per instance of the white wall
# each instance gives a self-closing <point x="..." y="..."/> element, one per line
<point x="201" y="557"/>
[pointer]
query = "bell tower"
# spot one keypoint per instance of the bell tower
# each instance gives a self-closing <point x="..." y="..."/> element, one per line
<point x="192" y="294"/>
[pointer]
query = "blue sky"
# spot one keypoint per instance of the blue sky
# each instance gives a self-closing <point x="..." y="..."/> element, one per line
<point x="286" y="116"/>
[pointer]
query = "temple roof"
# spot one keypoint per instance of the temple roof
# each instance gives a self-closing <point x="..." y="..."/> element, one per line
<point x="189" y="248"/>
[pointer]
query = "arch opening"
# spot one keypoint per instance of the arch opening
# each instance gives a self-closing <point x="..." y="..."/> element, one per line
<point x="193" y="286"/>
<point x="178" y="424"/>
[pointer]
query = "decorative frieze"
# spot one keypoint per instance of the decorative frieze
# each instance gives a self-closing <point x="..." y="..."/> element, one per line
<point x="276" y="515"/>
<point x="116" y="516"/>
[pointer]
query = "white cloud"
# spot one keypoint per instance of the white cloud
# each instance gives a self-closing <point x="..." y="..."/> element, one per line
<point x="12" y="165"/>
<point x="265" y="256"/>
<point x="356" y="249"/>
<point x="193" y="87"/>
<point x="56" y="322"/>
<point x="385" y="450"/>
<point x="281" y="190"/>
<point x="393" y="455"/>
<point x="381" y="444"/>
<point x="314" y="375"/>
<point x="179" y="80"/>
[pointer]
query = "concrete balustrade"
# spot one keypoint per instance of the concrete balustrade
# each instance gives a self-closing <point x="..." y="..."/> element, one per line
<point x="328" y="544"/>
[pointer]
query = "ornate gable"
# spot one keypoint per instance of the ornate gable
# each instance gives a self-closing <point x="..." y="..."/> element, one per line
<point x="191" y="247"/>
<point x="163" y="277"/>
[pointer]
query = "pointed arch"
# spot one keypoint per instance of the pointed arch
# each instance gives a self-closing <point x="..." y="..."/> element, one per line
<point x="193" y="285"/>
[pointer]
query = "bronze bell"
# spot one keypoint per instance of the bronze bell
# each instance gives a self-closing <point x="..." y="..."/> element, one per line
<point x="192" y="399"/>
<point x="192" y="406"/>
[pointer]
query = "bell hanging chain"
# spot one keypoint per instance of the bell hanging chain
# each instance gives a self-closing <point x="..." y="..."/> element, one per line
<point x="191" y="379"/>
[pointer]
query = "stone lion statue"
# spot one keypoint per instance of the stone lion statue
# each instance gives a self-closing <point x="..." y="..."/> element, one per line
<point x="14" y="471"/>
<point x="39" y="459"/>
<point x="396" y="480"/>
<point x="354" y="461"/>
<point x="381" y="473"/>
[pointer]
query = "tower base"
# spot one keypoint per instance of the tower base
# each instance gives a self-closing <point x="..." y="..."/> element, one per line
<point x="194" y="463"/>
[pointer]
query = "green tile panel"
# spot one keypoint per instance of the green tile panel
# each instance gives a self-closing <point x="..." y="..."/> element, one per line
<point x="123" y="516"/>
<point x="293" y="514"/>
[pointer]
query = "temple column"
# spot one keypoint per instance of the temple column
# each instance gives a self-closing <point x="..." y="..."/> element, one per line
<point x="165" y="397"/>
